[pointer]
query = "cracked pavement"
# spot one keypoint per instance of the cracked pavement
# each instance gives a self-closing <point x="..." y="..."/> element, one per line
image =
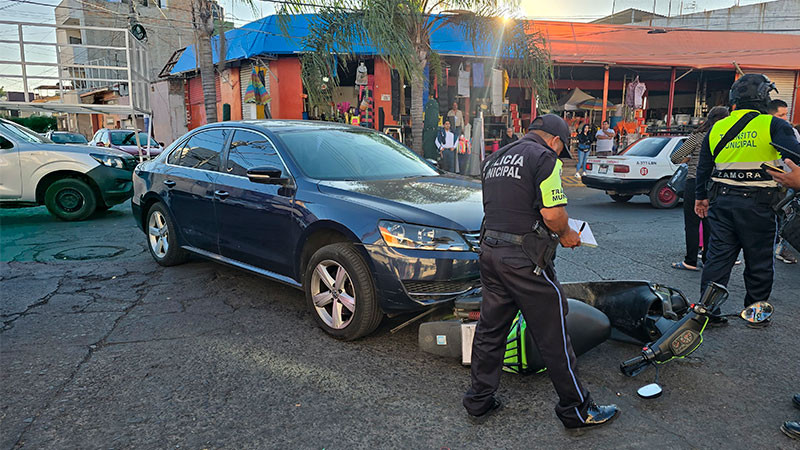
<point x="102" y="348"/>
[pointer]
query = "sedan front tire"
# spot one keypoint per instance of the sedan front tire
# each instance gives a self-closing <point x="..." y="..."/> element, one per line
<point x="340" y="292"/>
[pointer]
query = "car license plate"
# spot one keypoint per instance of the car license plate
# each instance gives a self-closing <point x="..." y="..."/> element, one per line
<point x="603" y="168"/>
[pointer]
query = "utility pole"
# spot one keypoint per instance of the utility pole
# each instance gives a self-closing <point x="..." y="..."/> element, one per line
<point x="654" y="13"/>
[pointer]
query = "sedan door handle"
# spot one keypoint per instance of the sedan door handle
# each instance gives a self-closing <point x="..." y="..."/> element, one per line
<point x="222" y="195"/>
<point x="169" y="183"/>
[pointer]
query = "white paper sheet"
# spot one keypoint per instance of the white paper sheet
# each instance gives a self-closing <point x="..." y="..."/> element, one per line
<point x="467" y="336"/>
<point x="587" y="237"/>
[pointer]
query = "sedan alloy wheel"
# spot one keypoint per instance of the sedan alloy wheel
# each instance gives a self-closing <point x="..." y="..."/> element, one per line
<point x="158" y="234"/>
<point x="333" y="294"/>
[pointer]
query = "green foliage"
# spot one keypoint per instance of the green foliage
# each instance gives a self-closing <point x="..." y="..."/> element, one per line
<point x="39" y="124"/>
<point x="400" y="31"/>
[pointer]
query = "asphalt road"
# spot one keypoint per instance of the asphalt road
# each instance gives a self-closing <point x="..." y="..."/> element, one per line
<point x="102" y="348"/>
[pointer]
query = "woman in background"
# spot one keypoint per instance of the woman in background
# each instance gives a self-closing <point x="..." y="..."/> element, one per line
<point x="690" y="154"/>
<point x="584" y="145"/>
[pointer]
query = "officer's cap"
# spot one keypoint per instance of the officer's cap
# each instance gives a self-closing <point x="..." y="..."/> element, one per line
<point x="551" y="123"/>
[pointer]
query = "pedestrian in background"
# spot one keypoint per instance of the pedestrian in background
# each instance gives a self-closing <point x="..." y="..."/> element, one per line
<point x="605" y="140"/>
<point x="508" y="137"/>
<point x="689" y="153"/>
<point x="446" y="143"/>
<point x="780" y="109"/>
<point x="456" y="119"/>
<point x="584" y="145"/>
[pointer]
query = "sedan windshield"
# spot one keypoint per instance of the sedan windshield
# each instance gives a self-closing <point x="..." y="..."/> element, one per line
<point x="350" y="155"/>
<point x="22" y="134"/>
<point x="648" y="147"/>
<point x="128" y="138"/>
<point x="68" y="138"/>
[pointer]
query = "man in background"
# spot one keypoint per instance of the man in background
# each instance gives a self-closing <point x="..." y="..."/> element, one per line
<point x="456" y="118"/>
<point x="605" y="140"/>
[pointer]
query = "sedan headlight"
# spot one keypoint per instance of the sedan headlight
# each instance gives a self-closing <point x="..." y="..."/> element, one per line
<point x="403" y="235"/>
<point x="109" y="160"/>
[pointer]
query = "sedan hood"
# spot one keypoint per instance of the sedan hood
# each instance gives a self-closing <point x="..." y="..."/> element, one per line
<point x="76" y="148"/>
<point x="441" y="201"/>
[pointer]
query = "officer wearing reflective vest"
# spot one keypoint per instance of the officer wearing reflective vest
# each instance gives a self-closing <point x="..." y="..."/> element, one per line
<point x="524" y="220"/>
<point x="736" y="193"/>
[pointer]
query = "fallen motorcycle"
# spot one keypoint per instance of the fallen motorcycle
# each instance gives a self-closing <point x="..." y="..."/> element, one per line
<point x="658" y="317"/>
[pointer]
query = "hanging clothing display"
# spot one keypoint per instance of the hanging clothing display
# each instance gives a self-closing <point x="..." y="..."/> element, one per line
<point x="478" y="148"/>
<point x="366" y="106"/>
<point x="506" y="80"/>
<point x="478" y="75"/>
<point x="634" y="95"/>
<point x="497" y="92"/>
<point x="463" y="82"/>
<point x="361" y="75"/>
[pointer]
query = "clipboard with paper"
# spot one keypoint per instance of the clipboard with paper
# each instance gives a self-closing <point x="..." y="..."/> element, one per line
<point x="587" y="237"/>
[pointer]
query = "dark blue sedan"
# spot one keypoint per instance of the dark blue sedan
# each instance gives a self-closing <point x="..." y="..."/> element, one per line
<point x="358" y="221"/>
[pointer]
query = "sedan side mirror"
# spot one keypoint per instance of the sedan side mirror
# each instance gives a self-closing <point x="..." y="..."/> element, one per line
<point x="433" y="162"/>
<point x="266" y="175"/>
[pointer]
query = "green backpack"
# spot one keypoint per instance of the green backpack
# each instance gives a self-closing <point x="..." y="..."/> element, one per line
<point x="516" y="357"/>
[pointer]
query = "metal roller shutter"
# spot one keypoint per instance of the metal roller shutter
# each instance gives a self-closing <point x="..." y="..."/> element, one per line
<point x="244" y="81"/>
<point x="785" y="82"/>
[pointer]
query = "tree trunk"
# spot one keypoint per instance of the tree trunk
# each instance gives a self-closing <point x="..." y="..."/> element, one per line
<point x="208" y="77"/>
<point x="417" y="101"/>
<point x="204" y="27"/>
<point x="417" y="87"/>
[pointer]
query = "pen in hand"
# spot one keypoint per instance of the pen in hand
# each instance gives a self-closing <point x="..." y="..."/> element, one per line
<point x="581" y="230"/>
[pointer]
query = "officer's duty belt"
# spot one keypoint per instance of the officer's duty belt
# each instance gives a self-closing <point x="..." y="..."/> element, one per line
<point x="766" y="195"/>
<point x="511" y="238"/>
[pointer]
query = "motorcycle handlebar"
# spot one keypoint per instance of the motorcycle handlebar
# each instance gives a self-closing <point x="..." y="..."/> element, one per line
<point x="633" y="366"/>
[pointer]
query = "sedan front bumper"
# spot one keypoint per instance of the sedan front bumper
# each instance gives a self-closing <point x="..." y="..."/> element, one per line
<point x="411" y="280"/>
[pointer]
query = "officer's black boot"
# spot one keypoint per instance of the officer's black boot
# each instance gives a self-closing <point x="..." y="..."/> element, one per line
<point x="599" y="415"/>
<point x="497" y="405"/>
<point x="791" y="429"/>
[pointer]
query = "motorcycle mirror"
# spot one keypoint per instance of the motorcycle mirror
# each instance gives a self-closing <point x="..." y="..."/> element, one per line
<point x="758" y="314"/>
<point x="652" y="390"/>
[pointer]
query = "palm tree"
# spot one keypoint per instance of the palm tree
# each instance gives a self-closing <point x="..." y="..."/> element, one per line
<point x="400" y="32"/>
<point x="203" y="23"/>
<point x="205" y="27"/>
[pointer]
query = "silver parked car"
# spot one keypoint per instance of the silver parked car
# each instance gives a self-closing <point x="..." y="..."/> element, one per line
<point x="73" y="181"/>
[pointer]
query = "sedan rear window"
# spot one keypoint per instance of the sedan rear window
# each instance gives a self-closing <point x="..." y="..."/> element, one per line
<point x="128" y="138"/>
<point x="648" y="147"/>
<point x="353" y="155"/>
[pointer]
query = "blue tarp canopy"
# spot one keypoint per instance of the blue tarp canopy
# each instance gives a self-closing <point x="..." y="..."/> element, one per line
<point x="264" y="37"/>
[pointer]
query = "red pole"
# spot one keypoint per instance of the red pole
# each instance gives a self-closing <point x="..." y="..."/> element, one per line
<point x="671" y="98"/>
<point x="533" y="104"/>
<point x="605" y="94"/>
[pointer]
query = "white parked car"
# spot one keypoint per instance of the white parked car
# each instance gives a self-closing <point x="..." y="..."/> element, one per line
<point x="73" y="181"/>
<point x="642" y="168"/>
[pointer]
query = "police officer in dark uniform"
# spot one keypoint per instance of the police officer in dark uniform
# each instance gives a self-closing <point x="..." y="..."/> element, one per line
<point x="739" y="203"/>
<point x="523" y="198"/>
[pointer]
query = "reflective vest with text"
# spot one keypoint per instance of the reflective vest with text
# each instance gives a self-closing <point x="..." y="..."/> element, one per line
<point x="739" y="162"/>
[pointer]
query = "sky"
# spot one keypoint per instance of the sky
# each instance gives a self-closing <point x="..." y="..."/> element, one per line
<point x="239" y="13"/>
<point x="573" y="10"/>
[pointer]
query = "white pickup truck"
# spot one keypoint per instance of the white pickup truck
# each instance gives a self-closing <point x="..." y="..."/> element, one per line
<point x="642" y="168"/>
<point x="73" y="181"/>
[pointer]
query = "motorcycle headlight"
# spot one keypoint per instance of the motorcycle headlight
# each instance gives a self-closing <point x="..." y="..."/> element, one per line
<point x="109" y="160"/>
<point x="403" y="235"/>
